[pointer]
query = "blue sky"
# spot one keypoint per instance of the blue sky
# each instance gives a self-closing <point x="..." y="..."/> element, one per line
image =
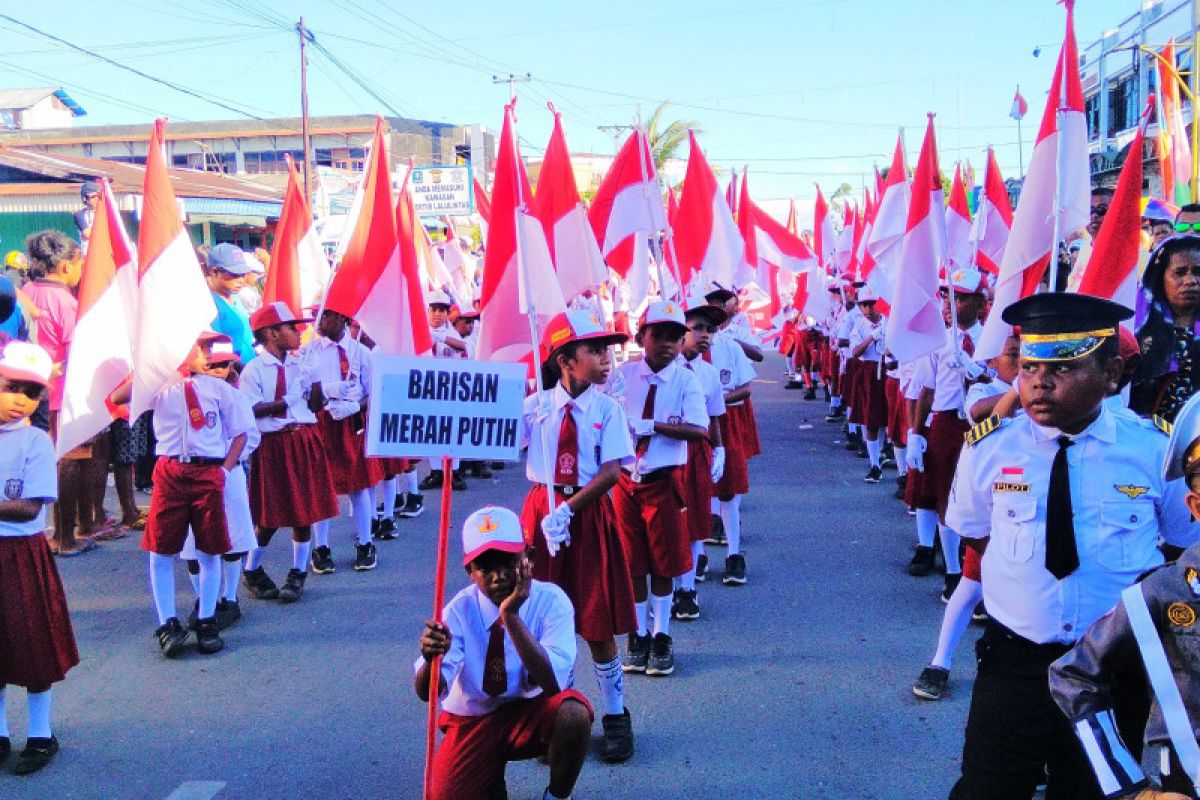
<point x="805" y="91"/>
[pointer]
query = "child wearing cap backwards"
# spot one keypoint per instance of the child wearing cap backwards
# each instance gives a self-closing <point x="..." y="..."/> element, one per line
<point x="341" y="371"/>
<point x="581" y="436"/>
<point x="706" y="456"/>
<point x="869" y="410"/>
<point x="507" y="648"/>
<point x="200" y="428"/>
<point x="291" y="483"/>
<point x="37" y="644"/>
<point x="665" y="407"/>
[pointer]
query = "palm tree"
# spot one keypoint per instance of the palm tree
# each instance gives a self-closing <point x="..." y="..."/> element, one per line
<point x="666" y="141"/>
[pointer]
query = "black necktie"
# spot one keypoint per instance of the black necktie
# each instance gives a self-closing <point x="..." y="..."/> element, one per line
<point x="1061" y="555"/>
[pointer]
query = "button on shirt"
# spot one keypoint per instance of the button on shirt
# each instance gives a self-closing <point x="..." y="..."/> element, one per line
<point x="710" y="383"/>
<point x="224" y="419"/>
<point x="935" y="372"/>
<point x="602" y="433"/>
<point x="734" y="369"/>
<point x="678" y="399"/>
<point x="27" y="472"/>
<point x="321" y="356"/>
<point x="1121" y="506"/>
<point x="258" y="381"/>
<point x="548" y="615"/>
<point x="861" y="330"/>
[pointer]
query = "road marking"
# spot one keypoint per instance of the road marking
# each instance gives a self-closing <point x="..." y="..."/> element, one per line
<point x="196" y="790"/>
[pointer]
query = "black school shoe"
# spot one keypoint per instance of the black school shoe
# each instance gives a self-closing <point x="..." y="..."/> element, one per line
<point x="686" y="607"/>
<point x="735" y="570"/>
<point x="259" y="584"/>
<point x="228" y="612"/>
<point x="38" y="752"/>
<point x="364" y="557"/>
<point x="431" y="481"/>
<point x="414" y="506"/>
<point x="172" y="638"/>
<point x="662" y="657"/>
<point x="922" y="561"/>
<point x="717" y="536"/>
<point x="208" y="640"/>
<point x="637" y="653"/>
<point x="701" y="567"/>
<point x="322" y="560"/>
<point x="5" y="748"/>
<point x="384" y="529"/>
<point x="293" y="586"/>
<point x="618" y="737"/>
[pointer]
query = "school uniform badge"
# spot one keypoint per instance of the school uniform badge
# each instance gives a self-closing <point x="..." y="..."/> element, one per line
<point x="1181" y="615"/>
<point x="726" y="376"/>
<point x="566" y="464"/>
<point x="1193" y="580"/>
<point x="210" y="419"/>
<point x="13" y="488"/>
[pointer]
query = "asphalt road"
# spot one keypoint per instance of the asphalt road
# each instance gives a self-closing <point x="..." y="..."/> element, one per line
<point x="797" y="685"/>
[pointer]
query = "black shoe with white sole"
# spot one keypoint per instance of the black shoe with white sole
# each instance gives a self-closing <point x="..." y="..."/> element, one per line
<point x="874" y="475"/>
<point x="735" y="570"/>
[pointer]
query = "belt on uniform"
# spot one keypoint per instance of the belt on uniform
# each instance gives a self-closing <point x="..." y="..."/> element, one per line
<point x="567" y="491"/>
<point x="199" y="461"/>
<point x="650" y="477"/>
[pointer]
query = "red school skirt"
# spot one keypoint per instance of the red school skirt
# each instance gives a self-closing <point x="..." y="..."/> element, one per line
<point x="291" y="485"/>
<point x="696" y="488"/>
<point x="870" y="406"/>
<point x="37" y="643"/>
<point x="897" y="413"/>
<point x="736" y="478"/>
<point x="346" y="450"/>
<point x="593" y="571"/>
<point x="850" y="382"/>
<point x="945" y="439"/>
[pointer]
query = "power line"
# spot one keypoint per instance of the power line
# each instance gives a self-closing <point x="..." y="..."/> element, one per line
<point x="115" y="100"/>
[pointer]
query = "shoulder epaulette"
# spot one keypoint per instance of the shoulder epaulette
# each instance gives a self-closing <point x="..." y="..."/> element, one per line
<point x="976" y="434"/>
<point x="1162" y="424"/>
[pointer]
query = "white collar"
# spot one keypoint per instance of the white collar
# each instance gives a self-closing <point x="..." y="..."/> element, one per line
<point x="1104" y="428"/>
<point x="561" y="397"/>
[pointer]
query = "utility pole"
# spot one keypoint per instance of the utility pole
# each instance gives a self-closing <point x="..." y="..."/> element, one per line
<point x="615" y="131"/>
<point x="512" y="81"/>
<point x="305" y="37"/>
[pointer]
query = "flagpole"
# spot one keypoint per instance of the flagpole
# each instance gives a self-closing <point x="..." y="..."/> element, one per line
<point x="981" y="211"/>
<point x="439" y="596"/>
<point x="1020" y="143"/>
<point x="655" y="245"/>
<point x="1059" y="189"/>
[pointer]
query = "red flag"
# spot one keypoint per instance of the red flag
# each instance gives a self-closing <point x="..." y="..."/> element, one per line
<point x="706" y="237"/>
<point x="299" y="270"/>
<point x="823" y="237"/>
<point x="767" y="241"/>
<point x="887" y="231"/>
<point x="483" y="205"/>
<point x="793" y="221"/>
<point x="1019" y="106"/>
<point x="958" y="223"/>
<point x="993" y="219"/>
<point x="627" y="202"/>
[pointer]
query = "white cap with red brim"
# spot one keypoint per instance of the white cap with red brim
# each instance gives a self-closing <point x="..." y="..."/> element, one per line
<point x="575" y="325"/>
<point x="965" y="280"/>
<point x="491" y="528"/>
<point x="272" y="314"/>
<point x="663" y="312"/>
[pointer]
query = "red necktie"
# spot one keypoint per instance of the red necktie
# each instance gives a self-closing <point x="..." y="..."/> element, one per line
<point x="968" y="346"/>
<point x="280" y="388"/>
<point x="566" y="460"/>
<point x="343" y="362"/>
<point x="495" y="672"/>
<point x="707" y="356"/>
<point x="643" y="444"/>
<point x="195" y="412"/>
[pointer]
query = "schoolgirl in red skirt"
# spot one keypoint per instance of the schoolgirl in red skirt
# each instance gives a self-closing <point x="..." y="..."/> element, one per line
<point x="37" y="643"/>
<point x="739" y="435"/>
<point x="578" y="439"/>
<point x="869" y="409"/>
<point x="291" y="482"/>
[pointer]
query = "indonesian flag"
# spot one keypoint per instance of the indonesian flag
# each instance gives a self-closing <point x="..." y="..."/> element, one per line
<point x="517" y="282"/>
<point x="793" y="221"/>
<point x="483" y="207"/>
<point x="672" y="206"/>
<point x="706" y="237"/>
<point x="958" y="224"/>
<point x="461" y="265"/>
<point x="767" y="240"/>
<point x="1111" y="272"/>
<point x="433" y="267"/>
<point x="573" y="247"/>
<point x="811" y="298"/>
<point x="843" y="248"/>
<point x="731" y="192"/>
<point x="1019" y="106"/>
<point x="887" y="231"/>
<point x="299" y="270"/>
<point x="915" y="326"/>
<point x="379" y="281"/>
<point x="174" y="304"/>
<point x="1059" y="162"/>
<point x="823" y="236"/>
<point x="1176" y="181"/>
<point x="993" y="218"/>
<point x="627" y="202"/>
<point x="101" y="355"/>
<point x="863" y="263"/>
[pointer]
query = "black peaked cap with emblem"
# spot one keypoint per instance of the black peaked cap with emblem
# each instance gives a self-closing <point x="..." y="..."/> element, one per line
<point x="1064" y="312"/>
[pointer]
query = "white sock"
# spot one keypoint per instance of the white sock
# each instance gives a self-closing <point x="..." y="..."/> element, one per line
<point x="714" y="506"/>
<point x="901" y="464"/>
<point x="411" y="481"/>
<point x="610" y="681"/>
<point x="927" y="521"/>
<point x="835" y="402"/>
<point x="210" y="584"/>
<point x="39" y="714"/>
<point x="389" y="487"/>
<point x="966" y="596"/>
<point x="320" y="534"/>
<point x="3" y="711"/>
<point x="731" y="516"/>
<point x="300" y="553"/>
<point x="254" y="559"/>
<point x="950" y="542"/>
<point x="643" y="618"/>
<point x="363" y="511"/>
<point x="195" y="581"/>
<point x="874" y="447"/>
<point x="687" y="581"/>
<point x="662" y="613"/>
<point x="229" y="573"/>
<point x="162" y="586"/>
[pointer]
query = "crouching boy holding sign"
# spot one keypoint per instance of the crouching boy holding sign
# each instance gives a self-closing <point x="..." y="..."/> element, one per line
<point x="507" y="650"/>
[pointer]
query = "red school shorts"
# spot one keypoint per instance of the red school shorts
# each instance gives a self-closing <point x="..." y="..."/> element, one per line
<point x="187" y="494"/>
<point x="945" y="440"/>
<point x="650" y="519"/>
<point x="475" y="750"/>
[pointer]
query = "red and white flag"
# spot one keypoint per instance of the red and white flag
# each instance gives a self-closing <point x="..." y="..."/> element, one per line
<point x="915" y="326"/>
<point x="515" y="278"/>
<point x="958" y="224"/>
<point x="627" y="202"/>
<point x="767" y="240"/>
<point x="843" y="247"/>
<point x="706" y="237"/>
<point x="1056" y="187"/>
<point x="299" y="271"/>
<point x="824" y="239"/>
<point x="793" y="221"/>
<point x="174" y="303"/>
<point x="1177" y="179"/>
<point x="1019" y="106"/>
<point x="572" y="243"/>
<point x="461" y="265"/>
<point x="101" y="355"/>
<point x="483" y="207"/>
<point x="993" y="218"/>
<point x="887" y="231"/>
<point x="732" y="192"/>
<point x="379" y="280"/>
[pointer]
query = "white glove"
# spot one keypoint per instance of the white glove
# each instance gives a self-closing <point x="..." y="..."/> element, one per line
<point x="294" y="394"/>
<point x="341" y="409"/>
<point x="543" y="408"/>
<point x="718" y="463"/>
<point x="914" y="453"/>
<point x="556" y="528"/>
<point x="642" y="427"/>
<point x="345" y="390"/>
<point x="963" y="365"/>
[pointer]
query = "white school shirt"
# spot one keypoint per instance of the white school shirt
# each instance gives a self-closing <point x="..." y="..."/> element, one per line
<point x="734" y="368"/>
<point x="28" y="471"/>
<point x="934" y="372"/>
<point x="224" y="419"/>
<point x="740" y="328"/>
<point x="258" y="380"/>
<point x="439" y="335"/>
<point x="1121" y="504"/>
<point x="861" y="330"/>
<point x="845" y="324"/>
<point x="602" y="432"/>
<point x="321" y="356"/>
<point x="710" y="383"/>
<point x="678" y="399"/>
<point x="469" y="615"/>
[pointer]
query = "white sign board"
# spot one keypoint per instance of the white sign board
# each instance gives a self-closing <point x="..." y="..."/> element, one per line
<point x="443" y="191"/>
<point x="435" y="407"/>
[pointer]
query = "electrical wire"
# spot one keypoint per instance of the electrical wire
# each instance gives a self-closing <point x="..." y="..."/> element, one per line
<point x="22" y="70"/>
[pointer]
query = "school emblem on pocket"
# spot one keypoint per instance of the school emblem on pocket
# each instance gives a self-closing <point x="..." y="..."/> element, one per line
<point x="1181" y="614"/>
<point x="726" y="376"/>
<point x="210" y="419"/>
<point x="13" y="487"/>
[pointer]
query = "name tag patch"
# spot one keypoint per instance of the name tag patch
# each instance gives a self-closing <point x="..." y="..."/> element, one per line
<point x="1006" y="486"/>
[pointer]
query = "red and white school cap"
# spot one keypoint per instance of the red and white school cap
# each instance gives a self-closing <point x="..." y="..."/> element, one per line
<point x="966" y="280"/>
<point x="867" y="295"/>
<point x="575" y="325"/>
<point x="25" y="361"/>
<point x="272" y="314"/>
<point x="491" y="528"/>
<point x="667" y="311"/>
